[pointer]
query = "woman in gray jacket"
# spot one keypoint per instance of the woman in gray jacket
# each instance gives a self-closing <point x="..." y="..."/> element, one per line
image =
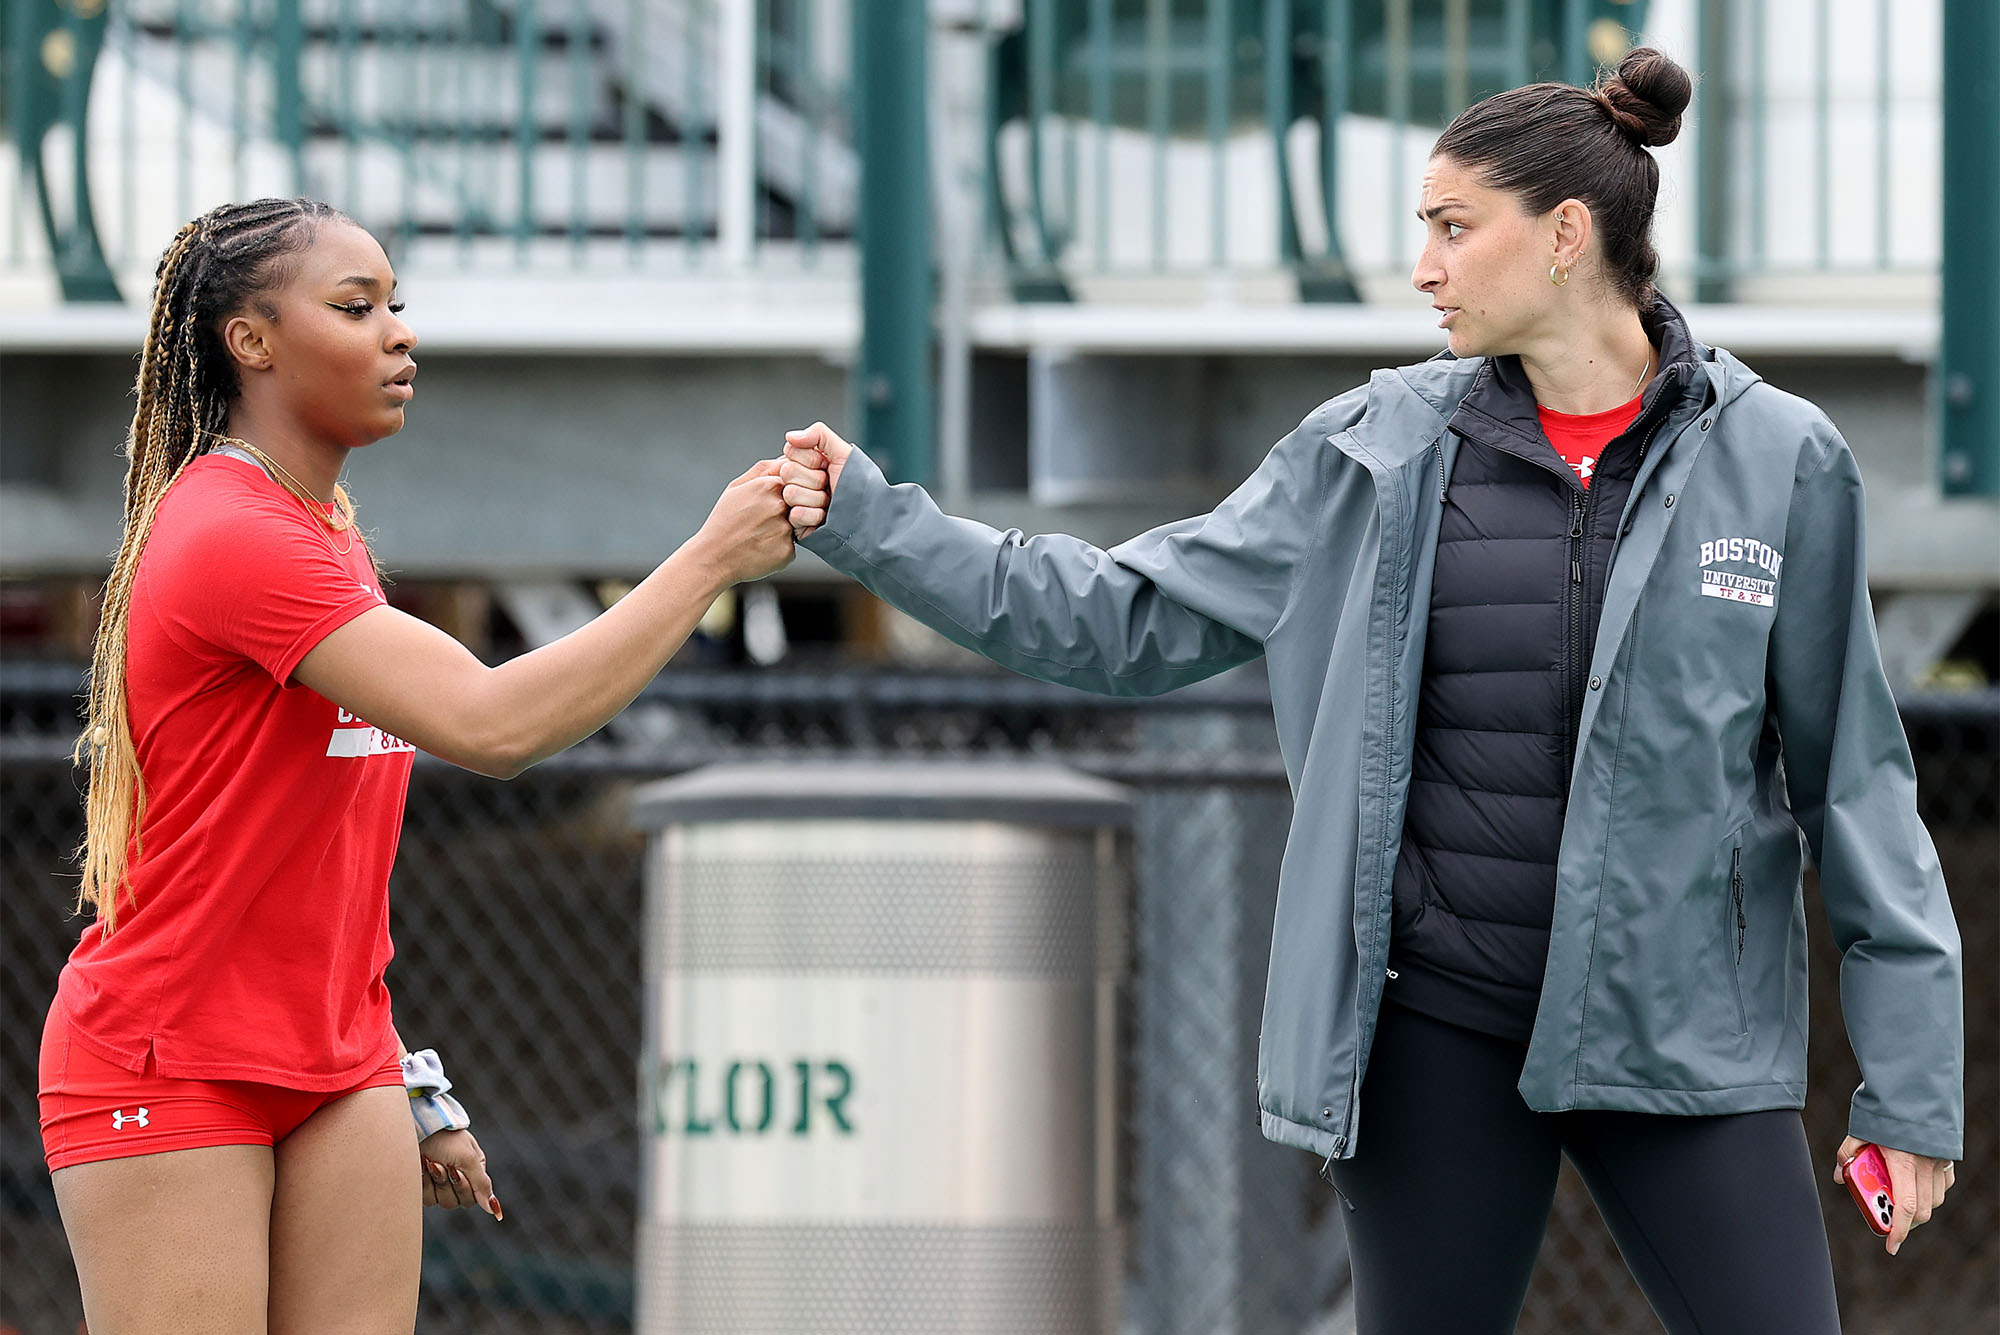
<point x="1571" y="656"/>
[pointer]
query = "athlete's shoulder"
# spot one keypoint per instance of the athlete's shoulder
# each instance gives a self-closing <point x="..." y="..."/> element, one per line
<point x="217" y="478"/>
<point x="222" y="514"/>
<point x="216" y="494"/>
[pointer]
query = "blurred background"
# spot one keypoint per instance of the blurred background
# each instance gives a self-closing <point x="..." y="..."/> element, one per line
<point x="1074" y="265"/>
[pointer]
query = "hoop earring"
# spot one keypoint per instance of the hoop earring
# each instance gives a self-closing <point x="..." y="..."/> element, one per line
<point x="1558" y="281"/>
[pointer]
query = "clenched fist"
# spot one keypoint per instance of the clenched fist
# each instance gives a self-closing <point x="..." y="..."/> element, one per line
<point x="748" y="535"/>
<point x="811" y="471"/>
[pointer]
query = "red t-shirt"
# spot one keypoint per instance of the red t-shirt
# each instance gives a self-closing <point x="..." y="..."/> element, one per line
<point x="1580" y="438"/>
<point x="256" y="941"/>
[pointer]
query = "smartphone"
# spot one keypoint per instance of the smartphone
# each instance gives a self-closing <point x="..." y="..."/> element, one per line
<point x="1868" y="1182"/>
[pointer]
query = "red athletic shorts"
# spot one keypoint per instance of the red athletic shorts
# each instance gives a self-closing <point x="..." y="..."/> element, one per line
<point x="94" y="1109"/>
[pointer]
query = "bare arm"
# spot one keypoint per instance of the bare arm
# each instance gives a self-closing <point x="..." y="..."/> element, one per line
<point x="411" y="679"/>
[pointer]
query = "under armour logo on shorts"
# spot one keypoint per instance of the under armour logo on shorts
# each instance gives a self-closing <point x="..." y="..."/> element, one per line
<point x="121" y="1117"/>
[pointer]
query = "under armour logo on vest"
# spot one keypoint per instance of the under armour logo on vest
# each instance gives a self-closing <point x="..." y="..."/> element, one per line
<point x="121" y="1117"/>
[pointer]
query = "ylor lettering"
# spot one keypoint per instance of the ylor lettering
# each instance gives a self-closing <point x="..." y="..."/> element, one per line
<point x="749" y="1097"/>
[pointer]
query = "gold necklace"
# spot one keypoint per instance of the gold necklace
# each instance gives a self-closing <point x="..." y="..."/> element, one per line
<point x="342" y="521"/>
<point x="1636" y="384"/>
<point x="1642" y="371"/>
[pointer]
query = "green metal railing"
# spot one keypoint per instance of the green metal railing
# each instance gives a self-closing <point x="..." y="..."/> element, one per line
<point x="1798" y="153"/>
<point x="50" y="53"/>
<point x="578" y="130"/>
<point x="1144" y="81"/>
<point x="1124" y="136"/>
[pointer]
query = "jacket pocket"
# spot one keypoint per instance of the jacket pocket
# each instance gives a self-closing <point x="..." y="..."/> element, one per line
<point x="1736" y="929"/>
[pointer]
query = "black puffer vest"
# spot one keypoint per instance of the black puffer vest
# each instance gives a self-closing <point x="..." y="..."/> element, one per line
<point x="1522" y="558"/>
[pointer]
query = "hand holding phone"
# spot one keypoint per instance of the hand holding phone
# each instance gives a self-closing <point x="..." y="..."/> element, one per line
<point x="1868" y="1182"/>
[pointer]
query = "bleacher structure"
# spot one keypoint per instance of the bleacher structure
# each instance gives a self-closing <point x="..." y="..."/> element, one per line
<point x="1160" y="232"/>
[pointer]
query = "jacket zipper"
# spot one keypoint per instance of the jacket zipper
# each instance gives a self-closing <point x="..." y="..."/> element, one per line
<point x="1579" y="513"/>
<point x="1340" y="1141"/>
<point x="1579" y="526"/>
<point x="1742" y="930"/>
<point x="1345" y="1135"/>
<point x="1645" y="444"/>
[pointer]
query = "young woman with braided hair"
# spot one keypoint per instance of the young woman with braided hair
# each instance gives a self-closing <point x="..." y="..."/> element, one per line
<point x="226" y="1106"/>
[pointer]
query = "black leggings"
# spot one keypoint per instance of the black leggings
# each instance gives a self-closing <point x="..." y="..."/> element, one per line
<point x="1449" y="1195"/>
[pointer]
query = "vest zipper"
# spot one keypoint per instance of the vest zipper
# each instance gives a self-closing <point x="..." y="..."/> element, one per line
<point x="1577" y="505"/>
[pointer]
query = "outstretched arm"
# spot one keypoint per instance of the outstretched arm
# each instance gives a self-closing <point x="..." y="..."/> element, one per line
<point x="1167" y="608"/>
<point x="411" y="679"/>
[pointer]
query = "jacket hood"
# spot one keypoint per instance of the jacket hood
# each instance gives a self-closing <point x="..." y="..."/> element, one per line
<point x="1730" y="375"/>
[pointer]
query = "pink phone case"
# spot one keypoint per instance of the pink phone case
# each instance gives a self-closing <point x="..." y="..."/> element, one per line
<point x="1868" y="1182"/>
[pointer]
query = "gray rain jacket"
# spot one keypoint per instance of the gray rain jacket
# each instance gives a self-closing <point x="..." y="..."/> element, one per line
<point x="1736" y="702"/>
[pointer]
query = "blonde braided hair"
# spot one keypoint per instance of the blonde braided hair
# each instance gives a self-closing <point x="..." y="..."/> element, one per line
<point x="215" y="267"/>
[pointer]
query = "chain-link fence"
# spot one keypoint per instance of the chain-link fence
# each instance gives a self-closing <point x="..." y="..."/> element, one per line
<point x="515" y="913"/>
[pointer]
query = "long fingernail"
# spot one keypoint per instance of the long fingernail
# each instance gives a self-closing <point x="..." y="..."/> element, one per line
<point x="498" y="1213"/>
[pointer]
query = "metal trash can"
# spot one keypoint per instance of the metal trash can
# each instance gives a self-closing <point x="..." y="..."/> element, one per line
<point x="878" y="1086"/>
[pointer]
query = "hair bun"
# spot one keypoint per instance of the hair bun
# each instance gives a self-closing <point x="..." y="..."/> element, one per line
<point x="1647" y="96"/>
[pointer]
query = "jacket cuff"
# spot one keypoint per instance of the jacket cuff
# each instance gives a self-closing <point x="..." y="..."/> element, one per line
<point x="861" y="485"/>
<point x="1912" y="1138"/>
